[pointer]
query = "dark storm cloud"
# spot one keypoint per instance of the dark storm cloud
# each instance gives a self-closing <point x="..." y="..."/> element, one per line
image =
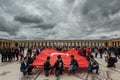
<point x="103" y="8"/>
<point x="8" y="27"/>
<point x="70" y="2"/>
<point x="60" y="19"/>
<point x="44" y="26"/>
<point x="28" y="19"/>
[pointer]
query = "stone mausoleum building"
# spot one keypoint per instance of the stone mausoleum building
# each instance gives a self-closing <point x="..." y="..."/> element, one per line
<point x="4" y="43"/>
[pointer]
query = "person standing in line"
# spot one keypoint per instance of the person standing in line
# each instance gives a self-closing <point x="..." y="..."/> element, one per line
<point x="16" y="53"/>
<point x="96" y="52"/>
<point x="101" y="51"/>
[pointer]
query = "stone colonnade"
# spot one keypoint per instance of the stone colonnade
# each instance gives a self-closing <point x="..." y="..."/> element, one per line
<point x="52" y="43"/>
<point x="115" y="42"/>
<point x="6" y="43"/>
<point x="68" y="43"/>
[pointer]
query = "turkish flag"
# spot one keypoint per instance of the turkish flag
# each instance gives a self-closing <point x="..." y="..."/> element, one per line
<point x="41" y="58"/>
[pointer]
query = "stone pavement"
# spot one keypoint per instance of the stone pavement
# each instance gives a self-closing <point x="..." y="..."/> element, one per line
<point x="11" y="71"/>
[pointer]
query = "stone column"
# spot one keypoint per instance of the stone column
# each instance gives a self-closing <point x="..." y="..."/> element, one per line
<point x="38" y="44"/>
<point x="49" y="44"/>
<point x="2" y="44"/>
<point x="28" y="44"/>
<point x="74" y="43"/>
<point x="25" y="44"/>
<point x="82" y="44"/>
<point x="9" y="45"/>
<point x="5" y="45"/>
<point x="119" y="43"/>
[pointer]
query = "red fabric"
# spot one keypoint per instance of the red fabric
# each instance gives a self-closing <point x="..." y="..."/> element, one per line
<point x="40" y="59"/>
<point x="19" y="54"/>
<point x="88" y="50"/>
<point x="80" y="52"/>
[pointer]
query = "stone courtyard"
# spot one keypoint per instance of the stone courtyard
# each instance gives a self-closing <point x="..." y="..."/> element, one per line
<point x="11" y="71"/>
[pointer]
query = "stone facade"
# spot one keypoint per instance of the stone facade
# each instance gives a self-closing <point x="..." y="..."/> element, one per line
<point x="4" y="43"/>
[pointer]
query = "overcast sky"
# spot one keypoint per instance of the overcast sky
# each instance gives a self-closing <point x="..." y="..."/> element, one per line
<point x="59" y="19"/>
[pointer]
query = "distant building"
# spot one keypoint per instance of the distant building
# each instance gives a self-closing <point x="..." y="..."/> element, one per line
<point x="4" y="43"/>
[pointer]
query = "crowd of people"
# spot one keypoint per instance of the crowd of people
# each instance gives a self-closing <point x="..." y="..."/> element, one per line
<point x="9" y="54"/>
<point x="13" y="54"/>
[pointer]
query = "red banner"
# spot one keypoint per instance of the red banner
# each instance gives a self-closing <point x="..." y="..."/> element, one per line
<point x="41" y="58"/>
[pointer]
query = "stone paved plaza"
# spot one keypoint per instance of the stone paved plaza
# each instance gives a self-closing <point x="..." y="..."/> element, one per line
<point x="11" y="71"/>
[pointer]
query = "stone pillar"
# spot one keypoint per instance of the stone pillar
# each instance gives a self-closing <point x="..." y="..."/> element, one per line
<point x="2" y="44"/>
<point x="38" y="44"/>
<point x="28" y="44"/>
<point x="6" y="44"/>
<point x="49" y="44"/>
<point x="67" y="44"/>
<point x="89" y="44"/>
<point x="74" y="43"/>
<point x="9" y="45"/>
<point x="42" y="43"/>
<point x="119" y="43"/>
<point x="105" y="44"/>
<point x="32" y="44"/>
<point x="82" y="44"/>
<point x="98" y="44"/>
<point x="85" y="43"/>
<point x="24" y="44"/>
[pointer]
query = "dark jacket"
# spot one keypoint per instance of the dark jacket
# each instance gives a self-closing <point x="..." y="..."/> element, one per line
<point x="23" y="66"/>
<point x="74" y="62"/>
<point x="29" y="60"/>
<point x="58" y="65"/>
<point x="47" y="65"/>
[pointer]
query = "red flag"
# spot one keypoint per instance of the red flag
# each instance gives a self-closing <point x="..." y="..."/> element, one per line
<point x="41" y="58"/>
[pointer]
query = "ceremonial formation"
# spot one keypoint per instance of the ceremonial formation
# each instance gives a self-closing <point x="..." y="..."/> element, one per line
<point x="59" y="57"/>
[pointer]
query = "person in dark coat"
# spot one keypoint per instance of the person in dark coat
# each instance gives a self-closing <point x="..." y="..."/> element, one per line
<point x="58" y="66"/>
<point x="2" y="55"/>
<point x="73" y="64"/>
<point x="111" y="61"/>
<point x="47" y="66"/>
<point x="93" y="65"/>
<point x="16" y="53"/>
<point x="30" y="51"/>
<point x="101" y="51"/>
<point x="9" y="54"/>
<point x="24" y="68"/>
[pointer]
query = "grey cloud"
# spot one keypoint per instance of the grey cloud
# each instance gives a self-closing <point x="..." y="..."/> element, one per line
<point x="28" y="19"/>
<point x="44" y="26"/>
<point x="100" y="8"/>
<point x="104" y="37"/>
<point x="59" y="19"/>
<point x="8" y="27"/>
